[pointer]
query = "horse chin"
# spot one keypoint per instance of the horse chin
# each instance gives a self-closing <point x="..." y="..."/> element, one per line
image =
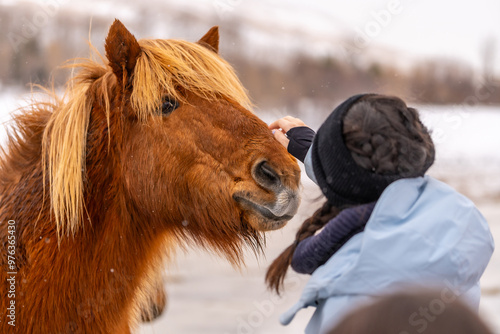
<point x="262" y="224"/>
<point x="260" y="217"/>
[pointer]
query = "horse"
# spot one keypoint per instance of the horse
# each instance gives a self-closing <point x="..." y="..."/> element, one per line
<point x="152" y="148"/>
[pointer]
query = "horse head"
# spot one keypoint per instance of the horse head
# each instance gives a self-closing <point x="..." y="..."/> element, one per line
<point x="192" y="157"/>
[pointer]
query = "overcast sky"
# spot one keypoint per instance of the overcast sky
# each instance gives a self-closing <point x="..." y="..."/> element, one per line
<point x="456" y="29"/>
<point x="443" y="28"/>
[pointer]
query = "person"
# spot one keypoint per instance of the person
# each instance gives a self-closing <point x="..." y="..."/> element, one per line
<point x="416" y="312"/>
<point x="386" y="225"/>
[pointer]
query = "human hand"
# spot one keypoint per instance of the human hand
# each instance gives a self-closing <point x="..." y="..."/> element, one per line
<point x="282" y="126"/>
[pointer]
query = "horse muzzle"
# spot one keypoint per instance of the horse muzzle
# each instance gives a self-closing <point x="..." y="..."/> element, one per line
<point x="268" y="201"/>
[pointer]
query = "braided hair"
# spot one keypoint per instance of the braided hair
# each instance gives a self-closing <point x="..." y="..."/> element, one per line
<point x="387" y="137"/>
<point x="275" y="275"/>
<point x="384" y="136"/>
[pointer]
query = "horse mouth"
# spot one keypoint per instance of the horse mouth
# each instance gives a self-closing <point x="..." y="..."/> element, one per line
<point x="266" y="219"/>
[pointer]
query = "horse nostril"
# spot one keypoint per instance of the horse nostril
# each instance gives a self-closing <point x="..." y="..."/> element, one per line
<point x="265" y="175"/>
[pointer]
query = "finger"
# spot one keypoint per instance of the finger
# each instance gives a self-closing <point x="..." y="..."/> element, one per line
<point x="277" y="124"/>
<point x="286" y="123"/>
<point x="281" y="138"/>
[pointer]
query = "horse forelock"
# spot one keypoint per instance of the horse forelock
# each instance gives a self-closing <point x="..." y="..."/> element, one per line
<point x="166" y="65"/>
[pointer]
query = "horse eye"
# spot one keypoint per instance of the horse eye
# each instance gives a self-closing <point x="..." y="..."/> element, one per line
<point x="168" y="105"/>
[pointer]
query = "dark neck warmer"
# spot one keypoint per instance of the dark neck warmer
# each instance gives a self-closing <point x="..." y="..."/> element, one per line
<point x="340" y="178"/>
<point x="314" y="251"/>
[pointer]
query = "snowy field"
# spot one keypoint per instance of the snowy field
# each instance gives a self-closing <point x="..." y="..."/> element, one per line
<point x="206" y="295"/>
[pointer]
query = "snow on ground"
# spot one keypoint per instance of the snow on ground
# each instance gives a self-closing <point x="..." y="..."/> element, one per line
<point x="206" y="295"/>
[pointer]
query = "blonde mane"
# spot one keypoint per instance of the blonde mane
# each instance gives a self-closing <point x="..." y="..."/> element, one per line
<point x="162" y="67"/>
<point x="165" y="64"/>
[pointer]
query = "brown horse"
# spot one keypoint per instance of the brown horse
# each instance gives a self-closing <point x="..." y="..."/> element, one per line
<point x="154" y="150"/>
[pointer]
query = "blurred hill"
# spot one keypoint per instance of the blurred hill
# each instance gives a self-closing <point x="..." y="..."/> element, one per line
<point x="282" y="64"/>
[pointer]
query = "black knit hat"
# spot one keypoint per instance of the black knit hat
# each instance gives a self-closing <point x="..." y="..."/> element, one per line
<point x="340" y="178"/>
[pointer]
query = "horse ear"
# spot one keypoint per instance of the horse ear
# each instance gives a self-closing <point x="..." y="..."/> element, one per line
<point x="211" y="39"/>
<point x="122" y="50"/>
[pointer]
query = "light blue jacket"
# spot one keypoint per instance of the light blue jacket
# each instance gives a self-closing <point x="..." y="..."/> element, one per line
<point x="422" y="233"/>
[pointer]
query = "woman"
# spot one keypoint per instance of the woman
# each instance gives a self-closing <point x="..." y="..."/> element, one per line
<point x="386" y="225"/>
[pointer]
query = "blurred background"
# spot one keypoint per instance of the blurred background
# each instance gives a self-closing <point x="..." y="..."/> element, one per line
<point x="298" y="58"/>
<point x="287" y="53"/>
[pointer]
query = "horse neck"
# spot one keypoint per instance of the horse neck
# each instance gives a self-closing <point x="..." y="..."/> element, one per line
<point x="109" y="254"/>
<point x="113" y="230"/>
<point x="112" y="260"/>
<point x="122" y="253"/>
<point x="104" y="267"/>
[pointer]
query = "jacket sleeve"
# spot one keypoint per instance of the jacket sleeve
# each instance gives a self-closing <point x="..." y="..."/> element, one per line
<point x="301" y="138"/>
<point x="314" y="251"/>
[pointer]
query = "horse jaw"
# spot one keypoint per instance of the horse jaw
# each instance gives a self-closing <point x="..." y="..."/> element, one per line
<point x="268" y="217"/>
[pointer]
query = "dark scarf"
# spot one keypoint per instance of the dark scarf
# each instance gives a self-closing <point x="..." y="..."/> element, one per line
<point x="316" y="250"/>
